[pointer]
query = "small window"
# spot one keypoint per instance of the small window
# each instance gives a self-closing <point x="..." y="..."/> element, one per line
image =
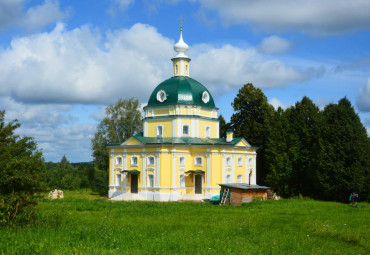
<point x="182" y="161"/>
<point x="228" y="161"/>
<point x="250" y="162"/>
<point x="198" y="161"/>
<point x="150" y="161"/>
<point x="150" y="180"/>
<point x="240" y="178"/>
<point x="182" y="181"/>
<point x="134" y="161"/>
<point x="119" y="161"/>
<point x="185" y="130"/>
<point x="208" y="132"/>
<point x="240" y="161"/>
<point x="186" y="68"/>
<point x="228" y="178"/>
<point x="160" y="130"/>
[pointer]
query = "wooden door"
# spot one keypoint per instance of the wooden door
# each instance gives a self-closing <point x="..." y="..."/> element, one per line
<point x="198" y="184"/>
<point x="134" y="183"/>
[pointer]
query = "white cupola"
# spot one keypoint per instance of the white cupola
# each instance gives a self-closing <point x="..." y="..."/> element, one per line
<point x="181" y="61"/>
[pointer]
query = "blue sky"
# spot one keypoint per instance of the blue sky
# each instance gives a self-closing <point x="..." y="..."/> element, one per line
<point x="62" y="62"/>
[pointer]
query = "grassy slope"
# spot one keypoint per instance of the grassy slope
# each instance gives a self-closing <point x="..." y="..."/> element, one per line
<point x="86" y="224"/>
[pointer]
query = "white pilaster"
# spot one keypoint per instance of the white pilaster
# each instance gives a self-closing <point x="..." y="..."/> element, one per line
<point x="223" y="166"/>
<point x="157" y="171"/>
<point x="174" y="175"/>
<point x="233" y="169"/>
<point x="112" y="169"/>
<point x="208" y="184"/>
<point x="143" y="173"/>
<point x="125" y="168"/>
<point x="197" y="127"/>
<point x="192" y="127"/>
<point x="145" y="128"/>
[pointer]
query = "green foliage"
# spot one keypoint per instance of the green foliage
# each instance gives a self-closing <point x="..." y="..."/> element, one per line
<point x="252" y="120"/>
<point x="342" y="162"/>
<point x="122" y="120"/>
<point x="66" y="177"/>
<point x="86" y="224"/>
<point x="223" y="126"/>
<point x="21" y="174"/>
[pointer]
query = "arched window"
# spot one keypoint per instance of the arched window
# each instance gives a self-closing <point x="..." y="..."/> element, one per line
<point x="240" y="161"/>
<point x="176" y="69"/>
<point x="118" y="160"/>
<point x="240" y="178"/>
<point x="150" y="183"/>
<point x="228" y="161"/>
<point x="228" y="178"/>
<point x="182" y="161"/>
<point x="198" y="161"/>
<point x="159" y="130"/>
<point x="208" y="132"/>
<point x="151" y="161"/>
<point x="182" y="181"/>
<point x="134" y="161"/>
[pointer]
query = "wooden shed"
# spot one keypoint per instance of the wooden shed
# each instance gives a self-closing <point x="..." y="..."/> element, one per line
<point x="242" y="193"/>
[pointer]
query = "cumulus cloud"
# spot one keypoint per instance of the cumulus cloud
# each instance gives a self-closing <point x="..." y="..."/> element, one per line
<point x="14" y="13"/>
<point x="229" y="66"/>
<point x="313" y="16"/>
<point x="363" y="99"/>
<point x="274" y="45"/>
<point x="71" y="66"/>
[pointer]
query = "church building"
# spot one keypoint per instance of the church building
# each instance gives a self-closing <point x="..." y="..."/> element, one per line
<point x="179" y="155"/>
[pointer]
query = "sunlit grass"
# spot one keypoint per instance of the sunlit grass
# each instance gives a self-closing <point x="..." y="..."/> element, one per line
<point x="85" y="223"/>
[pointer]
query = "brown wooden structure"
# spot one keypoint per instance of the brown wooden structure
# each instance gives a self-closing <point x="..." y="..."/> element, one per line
<point x="243" y="193"/>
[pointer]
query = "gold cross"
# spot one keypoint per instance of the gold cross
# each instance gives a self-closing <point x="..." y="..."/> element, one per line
<point x="181" y="20"/>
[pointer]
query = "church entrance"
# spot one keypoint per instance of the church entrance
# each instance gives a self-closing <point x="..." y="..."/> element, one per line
<point x="134" y="183"/>
<point x="198" y="184"/>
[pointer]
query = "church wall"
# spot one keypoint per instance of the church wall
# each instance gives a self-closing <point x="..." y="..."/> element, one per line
<point x="166" y="128"/>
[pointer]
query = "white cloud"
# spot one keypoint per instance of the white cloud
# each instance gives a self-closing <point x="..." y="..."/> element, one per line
<point x="274" y="45"/>
<point x="71" y="66"/>
<point x="229" y="66"/>
<point x="276" y="103"/>
<point x="14" y="13"/>
<point x="363" y="99"/>
<point x="313" y="16"/>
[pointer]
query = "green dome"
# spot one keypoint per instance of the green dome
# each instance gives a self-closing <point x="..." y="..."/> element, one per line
<point x="181" y="90"/>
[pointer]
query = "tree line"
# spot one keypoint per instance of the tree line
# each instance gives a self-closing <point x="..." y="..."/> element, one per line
<point x="323" y="154"/>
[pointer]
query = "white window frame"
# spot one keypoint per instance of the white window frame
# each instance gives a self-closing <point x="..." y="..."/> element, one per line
<point x="228" y="161"/>
<point x="208" y="131"/>
<point x="186" y="125"/>
<point x="132" y="160"/>
<point x="228" y="178"/>
<point x="118" y="160"/>
<point x="240" y="161"/>
<point x="201" y="161"/>
<point x="148" y="161"/>
<point x="184" y="161"/>
<point x="240" y="178"/>
<point x="150" y="181"/>
<point x="182" y="183"/>
<point x="159" y="127"/>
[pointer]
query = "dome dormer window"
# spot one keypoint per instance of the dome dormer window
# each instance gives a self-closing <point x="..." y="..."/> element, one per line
<point x="205" y="97"/>
<point x="161" y="96"/>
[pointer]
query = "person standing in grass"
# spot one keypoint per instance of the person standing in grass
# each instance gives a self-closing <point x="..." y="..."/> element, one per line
<point x="352" y="198"/>
<point x="357" y="199"/>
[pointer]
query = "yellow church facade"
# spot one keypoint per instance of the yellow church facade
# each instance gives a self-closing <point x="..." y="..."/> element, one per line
<point x="179" y="155"/>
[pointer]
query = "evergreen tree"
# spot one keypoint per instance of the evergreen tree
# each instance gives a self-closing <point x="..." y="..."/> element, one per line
<point x="223" y="126"/>
<point x="342" y="161"/>
<point x="252" y="120"/>
<point x="21" y="173"/>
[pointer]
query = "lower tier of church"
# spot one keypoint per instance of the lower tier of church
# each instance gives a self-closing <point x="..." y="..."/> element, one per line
<point x="192" y="169"/>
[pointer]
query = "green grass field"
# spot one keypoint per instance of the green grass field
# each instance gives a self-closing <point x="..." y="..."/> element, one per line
<point x="83" y="223"/>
